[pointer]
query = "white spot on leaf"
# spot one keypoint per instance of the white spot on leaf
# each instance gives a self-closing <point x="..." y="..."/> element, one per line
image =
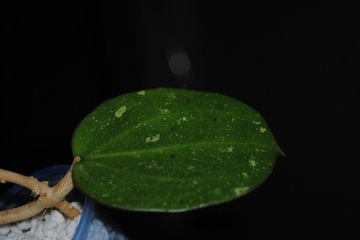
<point x="262" y="129"/>
<point x="191" y="167"/>
<point x="152" y="139"/>
<point x="230" y="149"/>
<point x="217" y="191"/>
<point x="164" y="111"/>
<point x="241" y="191"/>
<point x="120" y="111"/>
<point x="142" y="92"/>
<point x="252" y="163"/>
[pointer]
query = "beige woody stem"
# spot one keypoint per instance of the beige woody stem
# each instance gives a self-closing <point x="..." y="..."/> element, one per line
<point x="49" y="197"/>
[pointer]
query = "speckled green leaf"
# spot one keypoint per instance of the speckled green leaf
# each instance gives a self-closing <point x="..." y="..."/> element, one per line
<point x="172" y="150"/>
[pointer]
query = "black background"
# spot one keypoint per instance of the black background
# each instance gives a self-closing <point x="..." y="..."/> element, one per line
<point x="296" y="63"/>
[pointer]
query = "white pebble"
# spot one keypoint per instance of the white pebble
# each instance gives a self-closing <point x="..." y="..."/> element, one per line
<point x="49" y="229"/>
<point x="11" y="235"/>
<point x="98" y="231"/>
<point x="57" y="216"/>
<point x="24" y="225"/>
<point x="15" y="229"/>
<point x="38" y="230"/>
<point x="4" y="230"/>
<point x="61" y="231"/>
<point x="53" y="225"/>
<point x="34" y="223"/>
<point x="50" y="226"/>
<point x="71" y="227"/>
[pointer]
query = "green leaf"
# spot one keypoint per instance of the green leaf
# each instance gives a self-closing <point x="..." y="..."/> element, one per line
<point x="172" y="150"/>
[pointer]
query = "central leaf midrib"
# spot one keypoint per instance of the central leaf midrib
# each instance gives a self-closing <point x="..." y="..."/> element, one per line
<point x="171" y="178"/>
<point x="169" y="147"/>
<point x="177" y="179"/>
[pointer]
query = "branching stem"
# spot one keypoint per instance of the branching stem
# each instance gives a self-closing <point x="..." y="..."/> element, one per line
<point x="49" y="197"/>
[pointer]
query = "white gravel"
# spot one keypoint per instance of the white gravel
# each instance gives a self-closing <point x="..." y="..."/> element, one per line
<point x="52" y="225"/>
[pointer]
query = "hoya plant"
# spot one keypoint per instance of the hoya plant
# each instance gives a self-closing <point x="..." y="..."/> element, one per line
<point x="159" y="149"/>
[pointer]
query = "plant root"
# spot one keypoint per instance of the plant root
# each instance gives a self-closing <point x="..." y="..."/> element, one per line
<point x="48" y="197"/>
